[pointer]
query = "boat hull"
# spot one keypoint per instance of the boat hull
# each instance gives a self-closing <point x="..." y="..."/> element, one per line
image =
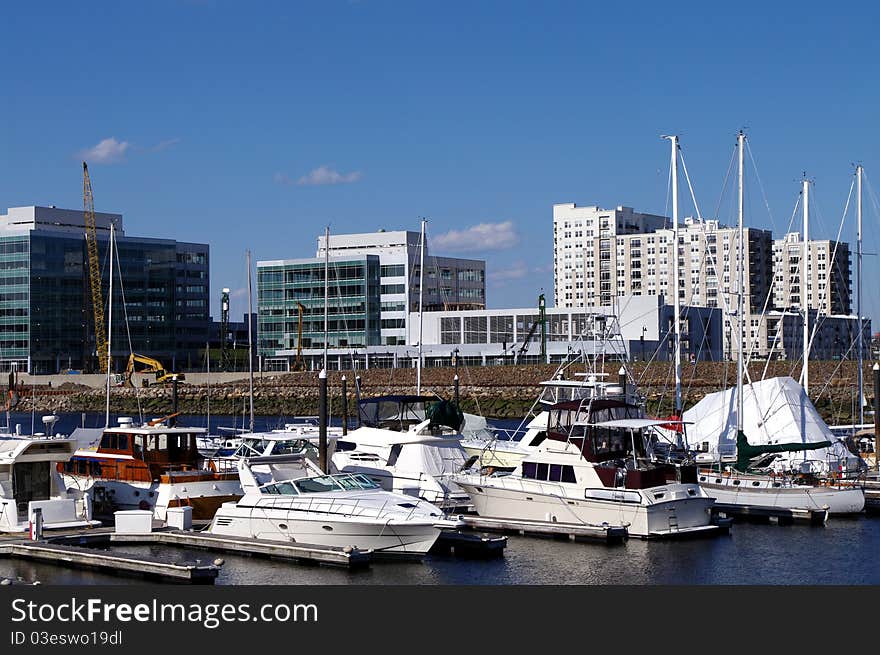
<point x="838" y="501"/>
<point x="681" y="513"/>
<point x="383" y="537"/>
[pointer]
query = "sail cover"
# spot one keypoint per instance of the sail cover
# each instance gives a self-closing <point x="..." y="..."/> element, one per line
<point x="775" y="411"/>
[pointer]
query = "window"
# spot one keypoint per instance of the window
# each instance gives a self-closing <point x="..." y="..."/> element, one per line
<point x="394" y="270"/>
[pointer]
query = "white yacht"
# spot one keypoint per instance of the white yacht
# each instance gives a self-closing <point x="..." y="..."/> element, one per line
<point x="495" y="452"/>
<point x="339" y="510"/>
<point x="404" y="450"/>
<point x="594" y="468"/>
<point x="29" y="479"/>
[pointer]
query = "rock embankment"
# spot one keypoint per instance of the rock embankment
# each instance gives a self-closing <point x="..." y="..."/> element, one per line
<point x="495" y="391"/>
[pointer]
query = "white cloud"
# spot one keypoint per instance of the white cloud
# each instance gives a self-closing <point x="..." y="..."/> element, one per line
<point x="322" y="175"/>
<point x="484" y="236"/>
<point x="107" y="151"/>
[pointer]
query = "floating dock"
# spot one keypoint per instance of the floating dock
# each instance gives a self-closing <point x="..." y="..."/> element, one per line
<point x="116" y="564"/>
<point x="306" y="553"/>
<point x="469" y="544"/>
<point x="781" y="515"/>
<point x="573" y="531"/>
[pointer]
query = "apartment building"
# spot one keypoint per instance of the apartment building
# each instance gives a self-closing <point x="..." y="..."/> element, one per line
<point x="829" y="277"/>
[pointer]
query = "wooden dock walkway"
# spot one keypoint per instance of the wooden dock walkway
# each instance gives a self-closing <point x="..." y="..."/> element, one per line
<point x="610" y="534"/>
<point x="114" y="563"/>
<point x="781" y="515"/>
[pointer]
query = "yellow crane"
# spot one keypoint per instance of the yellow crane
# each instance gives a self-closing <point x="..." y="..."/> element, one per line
<point x="94" y="271"/>
<point x="298" y="365"/>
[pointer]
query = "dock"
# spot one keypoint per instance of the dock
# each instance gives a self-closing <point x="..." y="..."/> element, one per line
<point x="469" y="544"/>
<point x="781" y="515"/>
<point x="610" y="534"/>
<point x="303" y="553"/>
<point x="116" y="564"/>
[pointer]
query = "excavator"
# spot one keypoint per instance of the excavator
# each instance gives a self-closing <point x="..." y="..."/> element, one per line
<point x="152" y="366"/>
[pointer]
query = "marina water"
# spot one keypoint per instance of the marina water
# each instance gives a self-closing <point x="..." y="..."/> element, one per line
<point x="843" y="552"/>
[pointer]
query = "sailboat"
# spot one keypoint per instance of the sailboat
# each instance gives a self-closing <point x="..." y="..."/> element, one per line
<point x="745" y="482"/>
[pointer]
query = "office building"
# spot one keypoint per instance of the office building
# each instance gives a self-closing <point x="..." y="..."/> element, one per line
<point x="46" y="315"/>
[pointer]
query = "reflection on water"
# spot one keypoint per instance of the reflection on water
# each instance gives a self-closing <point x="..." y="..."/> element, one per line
<point x="840" y="553"/>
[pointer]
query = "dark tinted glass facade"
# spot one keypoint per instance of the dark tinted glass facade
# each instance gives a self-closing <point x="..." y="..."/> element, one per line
<point x="46" y="319"/>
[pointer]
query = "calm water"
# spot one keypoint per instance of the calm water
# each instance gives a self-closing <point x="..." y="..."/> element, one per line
<point x="842" y="552"/>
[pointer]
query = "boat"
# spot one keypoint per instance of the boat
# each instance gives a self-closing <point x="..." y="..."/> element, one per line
<point x="774" y="421"/>
<point x="409" y="445"/>
<point x="270" y="452"/>
<point x="496" y="451"/>
<point x="153" y="466"/>
<point x="790" y="459"/>
<point x="594" y="468"/>
<point x="338" y="510"/>
<point x="29" y="480"/>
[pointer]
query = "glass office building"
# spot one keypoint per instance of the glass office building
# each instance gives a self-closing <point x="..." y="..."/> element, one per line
<point x="160" y="307"/>
<point x="353" y="305"/>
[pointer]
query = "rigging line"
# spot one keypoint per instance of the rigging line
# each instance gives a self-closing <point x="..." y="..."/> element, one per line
<point x="844" y="357"/>
<point x="781" y="323"/>
<point x="137" y="394"/>
<point x="760" y="184"/>
<point x="821" y="318"/>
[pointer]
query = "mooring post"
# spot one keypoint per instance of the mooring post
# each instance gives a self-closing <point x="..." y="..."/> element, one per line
<point x="322" y="420"/>
<point x="455" y="387"/>
<point x="876" y="415"/>
<point x="174" y="402"/>
<point x="344" y="406"/>
<point x="357" y="399"/>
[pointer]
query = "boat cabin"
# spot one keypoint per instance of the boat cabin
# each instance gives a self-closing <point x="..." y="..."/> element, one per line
<point x="400" y="413"/>
<point x="140" y="454"/>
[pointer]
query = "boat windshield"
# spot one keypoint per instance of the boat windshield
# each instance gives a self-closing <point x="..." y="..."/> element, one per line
<point x="344" y="482"/>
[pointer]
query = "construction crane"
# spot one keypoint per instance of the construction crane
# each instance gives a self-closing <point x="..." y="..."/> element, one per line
<point x="225" y="355"/>
<point x="542" y="321"/>
<point x="94" y="271"/>
<point x="298" y="364"/>
<point x="152" y="366"/>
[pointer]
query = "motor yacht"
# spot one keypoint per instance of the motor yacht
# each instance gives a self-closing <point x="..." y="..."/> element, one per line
<point x="594" y="468"/>
<point x="152" y="466"/>
<point x="29" y="479"/>
<point x="346" y="509"/>
<point x="403" y="445"/>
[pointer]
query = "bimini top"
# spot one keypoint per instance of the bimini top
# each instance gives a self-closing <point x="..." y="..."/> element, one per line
<point x="399" y="412"/>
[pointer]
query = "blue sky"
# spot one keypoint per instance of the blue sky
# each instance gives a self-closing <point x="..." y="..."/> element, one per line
<point x="254" y="125"/>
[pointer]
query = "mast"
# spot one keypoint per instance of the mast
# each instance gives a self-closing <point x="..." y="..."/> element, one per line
<point x="861" y="381"/>
<point x="421" y="296"/>
<point x="208" y="370"/>
<point x="109" y="331"/>
<point x="804" y="273"/>
<point x="676" y="321"/>
<point x="250" y="344"/>
<point x="740" y="276"/>
<point x="326" y="288"/>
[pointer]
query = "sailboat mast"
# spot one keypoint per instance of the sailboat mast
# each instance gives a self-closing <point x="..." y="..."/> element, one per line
<point x="676" y="320"/>
<point x="109" y="332"/>
<point x="805" y="271"/>
<point x="250" y="344"/>
<point x="421" y="297"/>
<point x="861" y="380"/>
<point x="326" y="289"/>
<point x="740" y="276"/>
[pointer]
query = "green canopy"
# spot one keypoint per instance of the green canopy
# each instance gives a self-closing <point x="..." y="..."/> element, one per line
<point x="745" y="451"/>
